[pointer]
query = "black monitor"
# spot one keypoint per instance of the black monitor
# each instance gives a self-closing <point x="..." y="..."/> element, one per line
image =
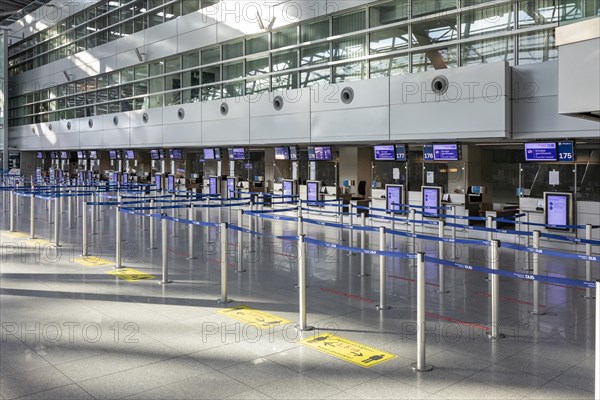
<point x="176" y="154"/>
<point x="282" y="153"/>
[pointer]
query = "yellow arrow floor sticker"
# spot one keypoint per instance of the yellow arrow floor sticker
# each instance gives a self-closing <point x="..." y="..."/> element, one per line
<point x="130" y="274"/>
<point x="91" y="261"/>
<point x="348" y="350"/>
<point x="252" y="316"/>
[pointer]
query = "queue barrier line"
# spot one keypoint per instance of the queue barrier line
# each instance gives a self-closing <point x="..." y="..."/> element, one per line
<point x="514" y="275"/>
<point x="270" y="216"/>
<point x="245" y="230"/>
<point x="474" y="242"/>
<point x="570" y="239"/>
<point x="556" y="253"/>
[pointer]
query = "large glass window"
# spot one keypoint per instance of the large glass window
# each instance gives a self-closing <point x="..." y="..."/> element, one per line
<point x="315" y="77"/>
<point x="282" y="61"/>
<point x="388" y="40"/>
<point x="426" y="7"/>
<point x="316" y="54"/>
<point x="487" y="20"/>
<point x="257" y="44"/>
<point x="488" y="51"/>
<point x="388" y="12"/>
<point x="389" y="66"/>
<point x="285" y="37"/>
<point x="347" y="48"/>
<point x="349" y="72"/>
<point x="314" y="30"/>
<point x="434" y="59"/>
<point x="441" y="29"/>
<point x="537" y="47"/>
<point x="209" y="56"/>
<point x="233" y="50"/>
<point x="538" y="12"/>
<point x="257" y="67"/>
<point x="348" y="23"/>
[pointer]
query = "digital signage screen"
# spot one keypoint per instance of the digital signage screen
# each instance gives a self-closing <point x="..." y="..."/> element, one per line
<point x="80" y="155"/>
<point x="288" y="187"/>
<point x="558" y="210"/>
<point x="115" y="178"/>
<point x="566" y="152"/>
<point x="431" y="200"/>
<point x="282" y="153"/>
<point x="312" y="191"/>
<point x="293" y="153"/>
<point x="213" y="187"/>
<point x="385" y="153"/>
<point x="157" y="154"/>
<point x="170" y="183"/>
<point x="125" y="179"/>
<point x="81" y="177"/>
<point x="158" y="183"/>
<point x="130" y="154"/>
<point x="394" y="197"/>
<point x="65" y="155"/>
<point x="322" y="153"/>
<point x="176" y="154"/>
<point x="93" y="155"/>
<point x="311" y="153"/>
<point x="209" y="154"/>
<point x="401" y="152"/>
<point x="446" y="152"/>
<point x="40" y="154"/>
<point x="217" y="154"/>
<point x="238" y="153"/>
<point x="231" y="188"/>
<point x="60" y="175"/>
<point x="428" y="152"/>
<point x="89" y="176"/>
<point x="540" y="152"/>
<point x="112" y="154"/>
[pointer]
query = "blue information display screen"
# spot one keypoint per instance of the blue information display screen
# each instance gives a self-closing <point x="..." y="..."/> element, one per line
<point x="566" y="152"/>
<point x="540" y="152"/>
<point x="158" y="182"/>
<point x="170" y="183"/>
<point x="394" y="197"/>
<point x="125" y="178"/>
<point x="115" y="178"/>
<point x="445" y="152"/>
<point x="288" y="188"/>
<point x="428" y="152"/>
<point x="89" y="176"/>
<point x="385" y="153"/>
<point x="400" y="152"/>
<point x="176" y="154"/>
<point x="81" y="177"/>
<point x="431" y="200"/>
<point x="209" y="154"/>
<point x="312" y="191"/>
<point x="238" y="153"/>
<point x="231" y="187"/>
<point x="212" y="185"/>
<point x="282" y="153"/>
<point x="557" y="209"/>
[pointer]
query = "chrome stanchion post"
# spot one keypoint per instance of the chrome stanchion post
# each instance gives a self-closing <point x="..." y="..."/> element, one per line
<point x="536" y="271"/>
<point x="494" y="332"/>
<point x="393" y="229"/>
<point x="11" y="211"/>
<point x="151" y="228"/>
<point x="32" y="216"/>
<point x="69" y="209"/>
<point x="489" y="223"/>
<point x="441" y="270"/>
<point x="251" y="241"/>
<point x="597" y="355"/>
<point x="49" y="210"/>
<point x="223" y="235"/>
<point x="453" y="231"/>
<point x="92" y="219"/>
<point x="413" y="232"/>
<point x="302" y="325"/>
<point x="61" y="202"/>
<point x="191" y="255"/>
<point x="240" y="248"/>
<point x="382" y="272"/>
<point x="84" y="233"/>
<point x="420" y="365"/>
<point x="57" y="221"/>
<point x="362" y="246"/>
<point x="118" y="259"/>
<point x="351" y="230"/>
<point x="165" y="251"/>
<point x="588" y="263"/>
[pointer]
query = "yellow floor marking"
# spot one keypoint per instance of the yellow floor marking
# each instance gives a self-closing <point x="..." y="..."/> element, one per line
<point x="255" y="317"/>
<point x="91" y="261"/>
<point x="130" y="274"/>
<point x="19" y="235"/>
<point x="347" y="350"/>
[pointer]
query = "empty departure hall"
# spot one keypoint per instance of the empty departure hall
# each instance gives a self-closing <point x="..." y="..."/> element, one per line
<point x="299" y="199"/>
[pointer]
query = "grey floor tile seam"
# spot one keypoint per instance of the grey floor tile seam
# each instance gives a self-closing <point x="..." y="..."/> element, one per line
<point x="566" y="384"/>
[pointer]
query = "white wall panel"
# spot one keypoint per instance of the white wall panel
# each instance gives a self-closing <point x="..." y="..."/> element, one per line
<point x="230" y="129"/>
<point x="192" y="22"/>
<point x="163" y="48"/>
<point x="69" y="140"/>
<point x="160" y="32"/>
<point x="146" y="136"/>
<point x="115" y="138"/>
<point x="91" y="140"/>
<point x="198" y="38"/>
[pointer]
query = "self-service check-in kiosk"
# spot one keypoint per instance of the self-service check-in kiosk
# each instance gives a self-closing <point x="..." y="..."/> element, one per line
<point x="213" y="185"/>
<point x="395" y="196"/>
<point x="289" y="188"/>
<point x="158" y="183"/>
<point x="231" y="188"/>
<point x="558" y="210"/>
<point x="313" y="191"/>
<point x="432" y="200"/>
<point x="171" y="183"/>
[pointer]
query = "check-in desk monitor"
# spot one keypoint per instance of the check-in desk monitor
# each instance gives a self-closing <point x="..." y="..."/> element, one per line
<point x="171" y="183"/>
<point x="558" y="209"/>
<point x="394" y="195"/>
<point x="313" y="188"/>
<point x="158" y="182"/>
<point x="289" y="188"/>
<point x="125" y="179"/>
<point x="231" y="188"/>
<point x="115" y="178"/>
<point x="213" y="185"/>
<point x="432" y="197"/>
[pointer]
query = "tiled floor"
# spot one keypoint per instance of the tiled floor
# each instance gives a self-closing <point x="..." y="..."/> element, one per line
<point x="74" y="331"/>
